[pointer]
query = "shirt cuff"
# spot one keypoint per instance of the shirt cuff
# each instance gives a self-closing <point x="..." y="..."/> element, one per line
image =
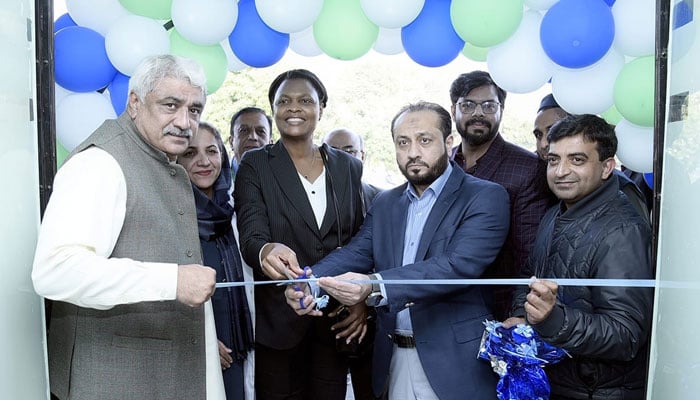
<point x="166" y="280"/>
<point x="382" y="289"/>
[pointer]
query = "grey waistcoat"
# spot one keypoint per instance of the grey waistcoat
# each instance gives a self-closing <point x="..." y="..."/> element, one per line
<point x="148" y="350"/>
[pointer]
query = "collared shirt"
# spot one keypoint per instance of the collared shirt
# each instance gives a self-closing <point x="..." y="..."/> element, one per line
<point x="316" y="192"/>
<point x="72" y="260"/>
<point x="419" y="208"/>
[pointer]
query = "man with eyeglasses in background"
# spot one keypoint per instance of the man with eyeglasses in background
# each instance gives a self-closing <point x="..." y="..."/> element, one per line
<point x="477" y="109"/>
<point x="352" y="143"/>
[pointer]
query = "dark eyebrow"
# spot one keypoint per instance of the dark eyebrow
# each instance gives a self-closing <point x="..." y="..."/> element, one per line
<point x="577" y="155"/>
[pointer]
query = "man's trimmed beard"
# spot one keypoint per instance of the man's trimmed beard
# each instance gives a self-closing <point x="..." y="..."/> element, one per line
<point x="476" y="140"/>
<point x="430" y="176"/>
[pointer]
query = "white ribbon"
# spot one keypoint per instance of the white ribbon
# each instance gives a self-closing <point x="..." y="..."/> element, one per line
<point x="649" y="283"/>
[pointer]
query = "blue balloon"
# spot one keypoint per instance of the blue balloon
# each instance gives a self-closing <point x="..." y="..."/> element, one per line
<point x="252" y="41"/>
<point x="610" y="2"/>
<point x="649" y="179"/>
<point x="63" y="21"/>
<point x="577" y="33"/>
<point x="81" y="62"/>
<point x="119" y="92"/>
<point x="430" y="40"/>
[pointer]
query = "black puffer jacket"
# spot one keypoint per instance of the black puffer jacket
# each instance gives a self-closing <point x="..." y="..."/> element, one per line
<point x="605" y="329"/>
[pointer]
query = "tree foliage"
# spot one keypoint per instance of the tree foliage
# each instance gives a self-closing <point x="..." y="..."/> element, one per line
<point x="364" y="95"/>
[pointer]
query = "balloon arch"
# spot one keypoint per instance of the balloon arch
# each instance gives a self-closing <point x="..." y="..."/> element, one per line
<point x="597" y="54"/>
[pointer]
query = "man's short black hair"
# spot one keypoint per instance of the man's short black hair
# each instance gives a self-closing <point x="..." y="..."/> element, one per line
<point x="443" y="115"/>
<point x="298" y="74"/>
<point x="465" y="83"/>
<point x="592" y="127"/>
<point x="247" y="110"/>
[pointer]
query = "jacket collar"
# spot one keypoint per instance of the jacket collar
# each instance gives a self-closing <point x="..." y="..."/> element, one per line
<point x="487" y="164"/>
<point x="289" y="181"/>
<point x="449" y="193"/>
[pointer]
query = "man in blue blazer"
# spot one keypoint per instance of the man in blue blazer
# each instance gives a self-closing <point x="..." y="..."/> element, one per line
<point x="442" y="224"/>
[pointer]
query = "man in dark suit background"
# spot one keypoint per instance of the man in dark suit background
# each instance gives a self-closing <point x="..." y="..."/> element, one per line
<point x="442" y="224"/>
<point x="360" y="359"/>
<point x="250" y="128"/>
<point x="350" y="142"/>
<point x="477" y="109"/>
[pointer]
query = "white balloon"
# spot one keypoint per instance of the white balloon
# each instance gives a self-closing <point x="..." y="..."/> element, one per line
<point x="59" y="93"/>
<point x="133" y="38"/>
<point x="304" y="43"/>
<point x="519" y="64"/>
<point x="289" y="16"/>
<point x="233" y="63"/>
<point x="635" y="23"/>
<point x="389" y="41"/>
<point x="98" y="15"/>
<point x="635" y="146"/>
<point x="392" y="13"/>
<point x="539" y="4"/>
<point x="78" y="115"/>
<point x="204" y="22"/>
<point x="588" y="90"/>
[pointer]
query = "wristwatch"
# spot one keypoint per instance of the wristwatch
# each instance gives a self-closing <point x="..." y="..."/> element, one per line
<point x="375" y="297"/>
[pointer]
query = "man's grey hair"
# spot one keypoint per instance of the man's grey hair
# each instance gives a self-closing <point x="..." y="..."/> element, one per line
<point x="154" y="68"/>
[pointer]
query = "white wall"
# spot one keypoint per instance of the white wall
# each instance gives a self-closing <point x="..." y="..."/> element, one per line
<point x="23" y="373"/>
<point x="675" y="352"/>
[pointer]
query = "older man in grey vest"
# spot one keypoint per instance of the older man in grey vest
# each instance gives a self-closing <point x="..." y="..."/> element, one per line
<point x="119" y="253"/>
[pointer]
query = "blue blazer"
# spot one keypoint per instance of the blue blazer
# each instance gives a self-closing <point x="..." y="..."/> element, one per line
<point x="462" y="236"/>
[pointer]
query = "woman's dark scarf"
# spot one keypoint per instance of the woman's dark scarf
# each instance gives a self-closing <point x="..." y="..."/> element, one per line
<point x="214" y="220"/>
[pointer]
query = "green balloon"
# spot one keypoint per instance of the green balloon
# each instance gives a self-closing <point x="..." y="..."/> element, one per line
<point x="211" y="58"/>
<point x="474" y="52"/>
<point x="486" y="23"/>
<point x="634" y="91"/>
<point x="157" y="9"/>
<point x="611" y="116"/>
<point x="343" y="31"/>
<point x="61" y="154"/>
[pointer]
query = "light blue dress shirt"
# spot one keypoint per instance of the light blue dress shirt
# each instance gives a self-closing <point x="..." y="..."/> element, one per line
<point x="419" y="208"/>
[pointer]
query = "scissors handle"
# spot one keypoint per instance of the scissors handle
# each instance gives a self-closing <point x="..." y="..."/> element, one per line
<point x="305" y="275"/>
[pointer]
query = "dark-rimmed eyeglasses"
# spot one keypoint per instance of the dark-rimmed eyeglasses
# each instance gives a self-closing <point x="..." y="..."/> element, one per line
<point x="487" y="107"/>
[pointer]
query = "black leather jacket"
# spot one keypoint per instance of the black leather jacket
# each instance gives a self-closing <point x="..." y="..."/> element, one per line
<point x="605" y="329"/>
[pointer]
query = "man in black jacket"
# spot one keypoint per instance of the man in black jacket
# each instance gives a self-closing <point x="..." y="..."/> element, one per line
<point x="594" y="232"/>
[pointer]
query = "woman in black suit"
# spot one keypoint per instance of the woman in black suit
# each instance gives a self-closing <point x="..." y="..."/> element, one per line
<point x="295" y="203"/>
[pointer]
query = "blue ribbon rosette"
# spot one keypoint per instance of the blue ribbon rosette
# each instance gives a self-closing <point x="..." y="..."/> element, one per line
<point x="518" y="356"/>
